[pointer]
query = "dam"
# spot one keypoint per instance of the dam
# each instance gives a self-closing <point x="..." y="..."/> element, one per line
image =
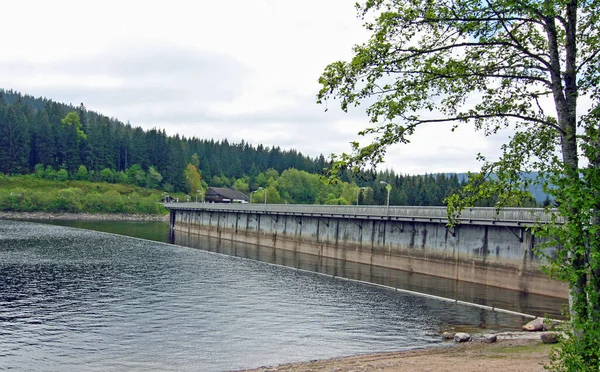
<point x="485" y="247"/>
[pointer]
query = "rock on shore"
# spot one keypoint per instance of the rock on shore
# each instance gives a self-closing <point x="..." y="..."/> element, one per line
<point x="462" y="337"/>
<point x="537" y="325"/>
<point x="490" y="339"/>
<point x="549" y="337"/>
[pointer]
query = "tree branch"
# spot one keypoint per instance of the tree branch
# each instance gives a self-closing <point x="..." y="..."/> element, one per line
<point x="588" y="59"/>
<point x="478" y="74"/>
<point x="414" y="52"/>
<point x="517" y="42"/>
<point x="483" y="116"/>
<point x="476" y="19"/>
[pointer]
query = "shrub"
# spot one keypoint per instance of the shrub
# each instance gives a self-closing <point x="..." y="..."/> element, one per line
<point x="66" y="200"/>
<point x="62" y="175"/>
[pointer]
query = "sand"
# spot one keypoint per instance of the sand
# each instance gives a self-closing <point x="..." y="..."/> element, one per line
<point x="509" y="354"/>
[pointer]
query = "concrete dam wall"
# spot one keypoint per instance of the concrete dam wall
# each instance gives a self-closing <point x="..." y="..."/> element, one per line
<point x="489" y="252"/>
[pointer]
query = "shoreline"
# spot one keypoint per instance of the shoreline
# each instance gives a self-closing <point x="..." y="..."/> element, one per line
<point x="25" y="216"/>
<point x="513" y="352"/>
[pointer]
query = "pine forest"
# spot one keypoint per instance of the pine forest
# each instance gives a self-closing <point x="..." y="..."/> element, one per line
<point x="60" y="143"/>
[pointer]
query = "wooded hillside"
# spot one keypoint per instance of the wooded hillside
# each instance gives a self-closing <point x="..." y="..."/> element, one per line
<point x="59" y="142"/>
<point x="40" y="131"/>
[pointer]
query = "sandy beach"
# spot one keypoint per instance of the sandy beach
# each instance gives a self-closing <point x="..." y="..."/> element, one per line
<point x="512" y="353"/>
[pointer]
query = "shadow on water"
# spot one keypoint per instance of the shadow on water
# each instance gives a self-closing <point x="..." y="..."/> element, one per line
<point x="469" y="292"/>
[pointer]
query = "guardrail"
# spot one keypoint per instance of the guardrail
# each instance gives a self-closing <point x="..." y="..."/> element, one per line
<point x="479" y="216"/>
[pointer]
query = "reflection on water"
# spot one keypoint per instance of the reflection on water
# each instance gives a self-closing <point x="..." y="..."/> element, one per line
<point x="479" y="294"/>
<point x="157" y="231"/>
<point x="78" y="300"/>
<point x="510" y="300"/>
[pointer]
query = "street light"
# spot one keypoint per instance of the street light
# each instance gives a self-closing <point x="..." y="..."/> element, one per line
<point x="358" y="191"/>
<point x="252" y="193"/>
<point x="388" y="187"/>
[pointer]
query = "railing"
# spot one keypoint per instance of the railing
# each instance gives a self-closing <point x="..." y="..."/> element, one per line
<point x="479" y="216"/>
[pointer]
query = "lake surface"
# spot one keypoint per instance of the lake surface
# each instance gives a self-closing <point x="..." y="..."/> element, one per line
<point x="77" y="300"/>
<point x="499" y="298"/>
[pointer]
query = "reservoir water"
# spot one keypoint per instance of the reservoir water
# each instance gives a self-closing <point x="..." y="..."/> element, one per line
<point x="80" y="300"/>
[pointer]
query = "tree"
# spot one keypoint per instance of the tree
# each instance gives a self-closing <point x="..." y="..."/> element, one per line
<point x="14" y="144"/>
<point x="43" y="148"/>
<point x="241" y="185"/>
<point x="195" y="160"/>
<point x="108" y="175"/>
<point x="192" y="179"/>
<point x="517" y="64"/>
<point x="153" y="178"/>
<point x="136" y="175"/>
<point x="272" y="195"/>
<point x="82" y="173"/>
<point x="72" y="120"/>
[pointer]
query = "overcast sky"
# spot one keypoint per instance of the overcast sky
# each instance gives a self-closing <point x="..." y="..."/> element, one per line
<point x="235" y="69"/>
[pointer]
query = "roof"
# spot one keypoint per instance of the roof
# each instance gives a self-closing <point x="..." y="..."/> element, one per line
<point x="227" y="193"/>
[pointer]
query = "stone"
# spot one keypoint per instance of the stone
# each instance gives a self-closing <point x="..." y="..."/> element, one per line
<point x="448" y="336"/>
<point x="490" y="339"/>
<point x="535" y="325"/>
<point x="462" y="337"/>
<point x="549" y="338"/>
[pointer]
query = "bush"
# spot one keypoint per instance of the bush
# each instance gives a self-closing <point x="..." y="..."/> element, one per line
<point x="30" y="193"/>
<point x="114" y="202"/>
<point x="62" y="175"/>
<point x="94" y="202"/>
<point x="82" y="173"/>
<point x="39" y="170"/>
<point x="107" y="175"/>
<point x="574" y="353"/>
<point x="15" y="200"/>
<point x="49" y="173"/>
<point x="66" y="200"/>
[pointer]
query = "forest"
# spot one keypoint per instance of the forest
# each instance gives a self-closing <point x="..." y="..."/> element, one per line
<point x="58" y="143"/>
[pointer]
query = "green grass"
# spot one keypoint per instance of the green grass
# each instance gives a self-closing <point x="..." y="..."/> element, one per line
<point x="522" y="349"/>
<point x="28" y="193"/>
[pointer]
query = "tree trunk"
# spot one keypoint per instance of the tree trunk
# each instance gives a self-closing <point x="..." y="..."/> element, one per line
<point x="565" y="99"/>
<point x="595" y="240"/>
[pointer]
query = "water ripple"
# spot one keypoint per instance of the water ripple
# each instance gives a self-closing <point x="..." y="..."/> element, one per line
<point x="84" y="301"/>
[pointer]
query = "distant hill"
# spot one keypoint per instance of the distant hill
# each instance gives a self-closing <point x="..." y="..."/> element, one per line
<point x="32" y="132"/>
<point x="536" y="190"/>
<point x="60" y="141"/>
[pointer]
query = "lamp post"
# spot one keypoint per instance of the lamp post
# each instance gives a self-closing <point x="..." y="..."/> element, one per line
<point x="265" y="191"/>
<point x="252" y="193"/>
<point x="388" y="187"/>
<point x="358" y="192"/>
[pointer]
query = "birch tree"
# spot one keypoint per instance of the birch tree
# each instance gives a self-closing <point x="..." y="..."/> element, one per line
<point x="521" y="65"/>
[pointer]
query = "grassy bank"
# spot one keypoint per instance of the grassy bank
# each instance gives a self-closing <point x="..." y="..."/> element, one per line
<point x="32" y="194"/>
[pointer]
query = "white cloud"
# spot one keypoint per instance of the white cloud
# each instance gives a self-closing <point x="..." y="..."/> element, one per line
<point x="232" y="69"/>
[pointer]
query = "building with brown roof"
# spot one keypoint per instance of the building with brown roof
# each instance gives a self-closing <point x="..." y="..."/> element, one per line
<point x="225" y="195"/>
